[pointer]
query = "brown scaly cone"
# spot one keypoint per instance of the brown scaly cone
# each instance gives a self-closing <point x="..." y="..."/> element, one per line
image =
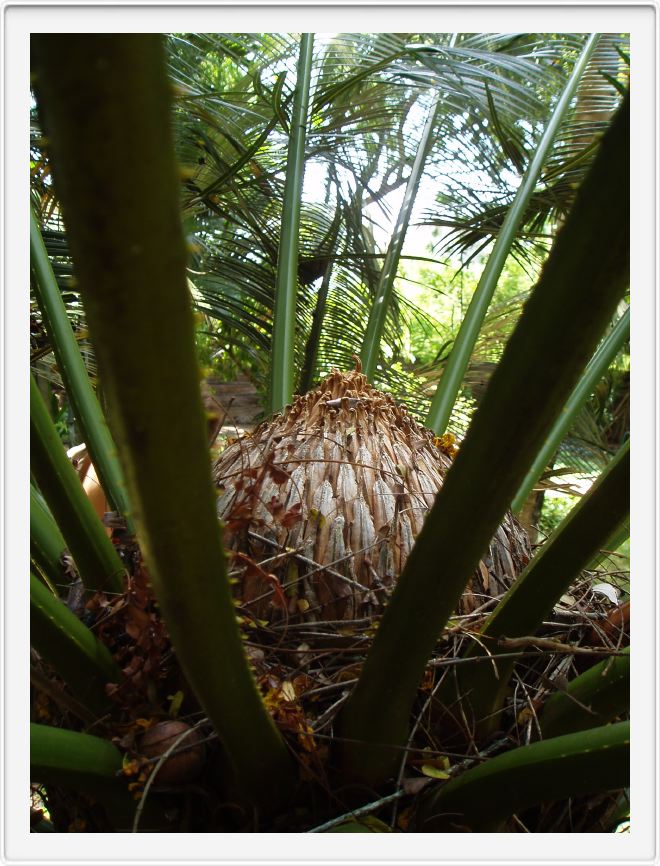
<point x="323" y="504"/>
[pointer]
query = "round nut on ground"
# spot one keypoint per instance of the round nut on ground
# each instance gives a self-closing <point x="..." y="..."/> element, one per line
<point x="182" y="767"/>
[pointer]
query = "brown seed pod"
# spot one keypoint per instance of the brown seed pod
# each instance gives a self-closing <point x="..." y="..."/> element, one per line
<point x="339" y="485"/>
<point x="615" y="628"/>
<point x="180" y="768"/>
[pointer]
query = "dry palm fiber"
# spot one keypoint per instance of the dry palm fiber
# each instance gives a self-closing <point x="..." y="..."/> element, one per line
<point x="305" y="678"/>
<point x="322" y="505"/>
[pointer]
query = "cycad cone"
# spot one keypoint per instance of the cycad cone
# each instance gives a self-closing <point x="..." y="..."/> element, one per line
<point x="339" y="485"/>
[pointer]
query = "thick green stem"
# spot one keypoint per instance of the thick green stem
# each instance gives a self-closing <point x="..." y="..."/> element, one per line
<point x="594" y="698"/>
<point x="95" y="557"/>
<point x="313" y="342"/>
<point x="286" y="293"/>
<point x="570" y="549"/>
<point x="596" y="369"/>
<point x="76" y="758"/>
<point x="480" y="799"/>
<point x="612" y="544"/>
<point x="378" y="313"/>
<point x="454" y="372"/>
<point x="84" y="763"/>
<point x="59" y="637"/>
<point x="74" y="375"/>
<point x="47" y="545"/>
<point x="105" y="101"/>
<point x="580" y="287"/>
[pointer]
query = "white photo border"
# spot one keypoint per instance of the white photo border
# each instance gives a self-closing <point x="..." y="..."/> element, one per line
<point x="18" y="21"/>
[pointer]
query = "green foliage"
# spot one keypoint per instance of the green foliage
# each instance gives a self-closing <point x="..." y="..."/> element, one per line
<point x="84" y="763"/>
<point x="84" y="663"/>
<point x="385" y="288"/>
<point x="72" y="369"/>
<point x="96" y="560"/>
<point x="556" y="507"/>
<point x="60" y="420"/>
<point x="581" y="285"/>
<point x="368" y="98"/>
<point x="594" y="371"/>
<point x="119" y="189"/>
<point x="109" y="203"/>
<point x="482" y="798"/>
<point x="522" y="609"/>
<point x="47" y="546"/>
<point x="530" y="169"/>
<point x="473" y="203"/>
<point x="445" y="294"/>
<point x="286" y="292"/>
<point x="596" y="697"/>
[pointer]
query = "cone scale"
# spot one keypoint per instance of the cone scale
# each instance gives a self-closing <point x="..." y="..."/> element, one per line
<point x="330" y="496"/>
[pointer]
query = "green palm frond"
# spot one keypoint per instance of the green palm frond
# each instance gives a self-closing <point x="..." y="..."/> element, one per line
<point x="231" y="132"/>
<point x="233" y="98"/>
<point x="470" y="209"/>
